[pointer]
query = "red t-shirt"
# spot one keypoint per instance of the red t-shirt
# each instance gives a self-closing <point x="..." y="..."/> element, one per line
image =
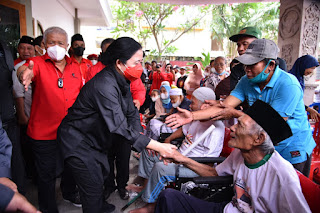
<point x="85" y="64"/>
<point x="92" y="71"/>
<point x="157" y="79"/>
<point x="138" y="91"/>
<point x="167" y="77"/>
<point x="49" y="102"/>
<point x="17" y="61"/>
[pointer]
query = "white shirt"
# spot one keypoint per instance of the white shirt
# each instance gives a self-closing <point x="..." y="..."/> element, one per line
<point x="272" y="187"/>
<point x="19" y="91"/>
<point x="317" y="94"/>
<point x="211" y="146"/>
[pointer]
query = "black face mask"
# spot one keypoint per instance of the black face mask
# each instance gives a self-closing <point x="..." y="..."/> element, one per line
<point x="78" y="51"/>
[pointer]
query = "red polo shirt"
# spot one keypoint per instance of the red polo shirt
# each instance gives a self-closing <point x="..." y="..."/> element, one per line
<point x="17" y="61"/>
<point x="49" y="102"/>
<point x="84" y="65"/>
<point x="92" y="71"/>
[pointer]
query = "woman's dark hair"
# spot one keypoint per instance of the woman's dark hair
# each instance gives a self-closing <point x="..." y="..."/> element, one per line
<point x="168" y="65"/>
<point x="122" y="48"/>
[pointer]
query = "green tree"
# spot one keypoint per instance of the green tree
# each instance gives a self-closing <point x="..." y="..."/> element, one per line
<point x="132" y="17"/>
<point x="228" y="19"/>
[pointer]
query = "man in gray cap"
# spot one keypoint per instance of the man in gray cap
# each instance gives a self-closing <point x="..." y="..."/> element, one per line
<point x="158" y="174"/>
<point x="265" y="81"/>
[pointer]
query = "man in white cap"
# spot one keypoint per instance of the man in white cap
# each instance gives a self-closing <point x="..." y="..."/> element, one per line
<point x="178" y="99"/>
<point x="158" y="174"/>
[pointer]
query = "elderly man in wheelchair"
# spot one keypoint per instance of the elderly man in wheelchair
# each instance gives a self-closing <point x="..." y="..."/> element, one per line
<point x="158" y="174"/>
<point x="263" y="181"/>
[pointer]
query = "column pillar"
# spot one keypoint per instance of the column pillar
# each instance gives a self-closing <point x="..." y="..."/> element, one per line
<point x="299" y="29"/>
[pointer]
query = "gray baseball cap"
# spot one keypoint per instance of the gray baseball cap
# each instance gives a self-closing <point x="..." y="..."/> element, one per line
<point x="258" y="50"/>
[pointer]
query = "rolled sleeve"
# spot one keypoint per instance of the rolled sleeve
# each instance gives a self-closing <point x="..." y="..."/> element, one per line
<point x="238" y="92"/>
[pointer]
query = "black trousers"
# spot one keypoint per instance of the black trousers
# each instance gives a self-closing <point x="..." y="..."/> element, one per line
<point x="27" y="154"/>
<point x="118" y="155"/>
<point x="17" y="163"/>
<point x="48" y="164"/>
<point x="91" y="189"/>
<point x="171" y="200"/>
<point x="304" y="167"/>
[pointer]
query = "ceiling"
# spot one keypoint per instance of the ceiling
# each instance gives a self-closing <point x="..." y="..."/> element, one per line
<point x="199" y="2"/>
<point x="93" y="12"/>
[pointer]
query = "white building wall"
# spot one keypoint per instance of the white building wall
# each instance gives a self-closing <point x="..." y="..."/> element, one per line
<point x="52" y="13"/>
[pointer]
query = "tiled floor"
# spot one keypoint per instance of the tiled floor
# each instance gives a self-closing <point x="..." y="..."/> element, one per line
<point x="64" y="206"/>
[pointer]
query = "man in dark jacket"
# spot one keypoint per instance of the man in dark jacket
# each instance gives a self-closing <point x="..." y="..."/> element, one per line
<point x="7" y="112"/>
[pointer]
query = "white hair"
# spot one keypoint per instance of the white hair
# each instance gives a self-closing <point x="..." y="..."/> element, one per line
<point x="267" y="146"/>
<point x="57" y="30"/>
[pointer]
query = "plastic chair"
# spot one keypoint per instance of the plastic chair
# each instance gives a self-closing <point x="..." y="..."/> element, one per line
<point x="226" y="150"/>
<point x="311" y="192"/>
<point x="315" y="160"/>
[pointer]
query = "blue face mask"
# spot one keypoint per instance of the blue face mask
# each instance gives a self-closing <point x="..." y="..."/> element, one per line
<point x="261" y="77"/>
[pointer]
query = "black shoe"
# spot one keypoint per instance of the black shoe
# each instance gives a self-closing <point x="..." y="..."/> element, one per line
<point x="124" y="194"/>
<point x="74" y="199"/>
<point x="108" y="207"/>
<point x="107" y="193"/>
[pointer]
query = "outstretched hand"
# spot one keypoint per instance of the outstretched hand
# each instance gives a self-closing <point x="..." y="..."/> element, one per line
<point x="178" y="119"/>
<point x="26" y="75"/>
<point x="225" y="113"/>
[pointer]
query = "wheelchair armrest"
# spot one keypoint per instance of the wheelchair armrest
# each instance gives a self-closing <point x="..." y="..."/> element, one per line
<point x="208" y="159"/>
<point x="217" y="180"/>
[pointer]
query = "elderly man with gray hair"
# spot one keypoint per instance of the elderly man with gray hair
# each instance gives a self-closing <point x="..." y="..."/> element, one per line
<point x="56" y="83"/>
<point x="158" y="174"/>
<point x="263" y="180"/>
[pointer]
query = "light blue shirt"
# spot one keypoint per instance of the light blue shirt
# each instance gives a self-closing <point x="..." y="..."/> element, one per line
<point x="284" y="94"/>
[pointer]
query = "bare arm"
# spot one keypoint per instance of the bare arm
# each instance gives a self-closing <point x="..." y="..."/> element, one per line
<point x="25" y="74"/>
<point x="215" y="111"/>
<point x="22" y="117"/>
<point x="164" y="149"/>
<point x="176" y="134"/>
<point x="199" y="168"/>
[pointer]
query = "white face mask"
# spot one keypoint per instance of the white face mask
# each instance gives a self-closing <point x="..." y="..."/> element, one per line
<point x="94" y="62"/>
<point x="155" y="98"/>
<point x="164" y="96"/>
<point x="56" y="52"/>
<point x="42" y="52"/>
<point x="175" y="105"/>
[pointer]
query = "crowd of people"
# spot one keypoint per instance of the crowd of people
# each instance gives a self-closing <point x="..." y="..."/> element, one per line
<point x="78" y="119"/>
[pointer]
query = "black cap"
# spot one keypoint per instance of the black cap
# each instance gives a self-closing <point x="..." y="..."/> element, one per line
<point x="26" y="40"/>
<point x="270" y="120"/>
<point x="38" y="40"/>
<point x="76" y="37"/>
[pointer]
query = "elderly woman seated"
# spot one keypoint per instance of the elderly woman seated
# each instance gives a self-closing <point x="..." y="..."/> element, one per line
<point x="167" y="104"/>
<point x="158" y="174"/>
